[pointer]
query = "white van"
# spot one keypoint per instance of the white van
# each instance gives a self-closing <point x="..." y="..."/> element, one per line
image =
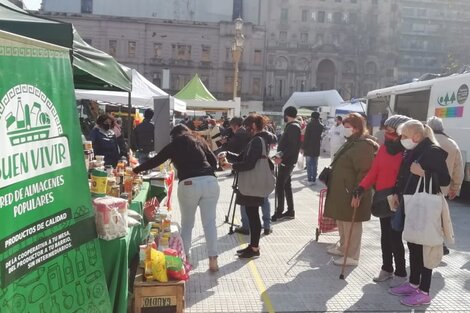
<point x="445" y="97"/>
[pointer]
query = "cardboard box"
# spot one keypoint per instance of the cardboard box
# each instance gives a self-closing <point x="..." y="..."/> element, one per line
<point x="155" y="297"/>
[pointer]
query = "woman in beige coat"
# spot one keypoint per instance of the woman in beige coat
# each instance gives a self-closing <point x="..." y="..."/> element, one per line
<point x="351" y="163"/>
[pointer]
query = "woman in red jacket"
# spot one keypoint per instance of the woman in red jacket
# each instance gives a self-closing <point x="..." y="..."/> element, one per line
<point x="383" y="176"/>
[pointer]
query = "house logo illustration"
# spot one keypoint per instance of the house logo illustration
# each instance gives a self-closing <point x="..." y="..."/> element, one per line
<point x="34" y="143"/>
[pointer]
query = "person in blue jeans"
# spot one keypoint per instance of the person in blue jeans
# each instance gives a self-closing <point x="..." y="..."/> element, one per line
<point x="266" y="217"/>
<point x="311" y="147"/>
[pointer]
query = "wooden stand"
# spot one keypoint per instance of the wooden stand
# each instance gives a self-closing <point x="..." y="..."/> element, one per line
<point x="156" y="297"/>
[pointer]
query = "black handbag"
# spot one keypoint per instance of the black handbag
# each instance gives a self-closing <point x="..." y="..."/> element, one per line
<point x="325" y="175"/>
<point x="380" y="206"/>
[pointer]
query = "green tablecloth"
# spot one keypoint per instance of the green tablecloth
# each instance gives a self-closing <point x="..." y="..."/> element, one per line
<point x="117" y="256"/>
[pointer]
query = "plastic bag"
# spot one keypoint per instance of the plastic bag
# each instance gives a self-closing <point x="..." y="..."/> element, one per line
<point x="110" y="217"/>
<point x="174" y="265"/>
<point x="158" y="266"/>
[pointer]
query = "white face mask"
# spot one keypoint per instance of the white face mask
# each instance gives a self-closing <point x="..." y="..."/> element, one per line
<point x="348" y="132"/>
<point x="408" y="143"/>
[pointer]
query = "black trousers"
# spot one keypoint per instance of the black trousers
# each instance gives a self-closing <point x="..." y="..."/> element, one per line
<point x="392" y="248"/>
<point x="284" y="188"/>
<point x="419" y="275"/>
<point x="255" y="225"/>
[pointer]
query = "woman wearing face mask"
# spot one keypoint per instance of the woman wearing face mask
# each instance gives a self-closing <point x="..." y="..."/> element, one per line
<point x="383" y="175"/>
<point x="198" y="186"/>
<point x="424" y="158"/>
<point x="350" y="164"/>
<point x="104" y="140"/>
<point x="246" y="161"/>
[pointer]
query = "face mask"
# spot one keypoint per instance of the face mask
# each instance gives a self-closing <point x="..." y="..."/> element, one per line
<point x="408" y="144"/>
<point x="348" y="132"/>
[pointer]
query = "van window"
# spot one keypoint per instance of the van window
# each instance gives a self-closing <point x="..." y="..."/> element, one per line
<point x="377" y="113"/>
<point x="414" y="104"/>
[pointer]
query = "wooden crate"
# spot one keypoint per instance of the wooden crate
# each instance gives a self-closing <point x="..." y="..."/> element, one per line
<point x="155" y="297"/>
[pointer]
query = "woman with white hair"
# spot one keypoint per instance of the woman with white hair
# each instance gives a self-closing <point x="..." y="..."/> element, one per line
<point x="423" y="158"/>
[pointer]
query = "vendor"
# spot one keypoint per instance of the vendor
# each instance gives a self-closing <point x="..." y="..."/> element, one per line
<point x="104" y="140"/>
<point x="198" y="185"/>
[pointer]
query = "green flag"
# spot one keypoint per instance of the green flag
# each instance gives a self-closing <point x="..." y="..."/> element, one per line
<point x="50" y="259"/>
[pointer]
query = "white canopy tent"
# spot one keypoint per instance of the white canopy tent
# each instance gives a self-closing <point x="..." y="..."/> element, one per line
<point x="315" y="99"/>
<point x="352" y="107"/>
<point x="142" y="95"/>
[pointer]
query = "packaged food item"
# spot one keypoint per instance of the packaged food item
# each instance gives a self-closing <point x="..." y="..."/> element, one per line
<point x="158" y="266"/>
<point x="163" y="244"/>
<point x="98" y="182"/>
<point x="142" y="255"/>
<point x="174" y="265"/>
<point x="87" y="145"/>
<point x="111" y="217"/>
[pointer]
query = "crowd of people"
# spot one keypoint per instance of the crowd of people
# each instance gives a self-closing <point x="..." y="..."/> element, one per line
<point x="367" y="177"/>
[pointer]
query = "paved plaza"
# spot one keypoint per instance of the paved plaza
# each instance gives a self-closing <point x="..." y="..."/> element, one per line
<point x="295" y="274"/>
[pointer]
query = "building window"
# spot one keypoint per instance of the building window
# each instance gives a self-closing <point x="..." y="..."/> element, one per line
<point x="256" y="87"/>
<point x="283" y="36"/>
<point x="304" y="16"/>
<point x="257" y="60"/>
<point x="206" y="54"/>
<point x="321" y="17"/>
<point x="157" y="79"/>
<point x="337" y="17"/>
<point x="228" y="84"/>
<point x="371" y="68"/>
<point x="87" y="6"/>
<point x="319" y="39"/>
<point x="374" y="18"/>
<point x="179" y="81"/>
<point x="157" y="50"/>
<point x="112" y="49"/>
<point x="131" y="49"/>
<point x="303" y="37"/>
<point x="205" y="81"/>
<point x="181" y="52"/>
<point x="284" y="15"/>
<point x="228" y="54"/>
<point x="336" y="39"/>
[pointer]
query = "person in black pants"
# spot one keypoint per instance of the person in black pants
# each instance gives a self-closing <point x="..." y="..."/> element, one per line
<point x="286" y="158"/>
<point x="246" y="161"/>
<point x="423" y="159"/>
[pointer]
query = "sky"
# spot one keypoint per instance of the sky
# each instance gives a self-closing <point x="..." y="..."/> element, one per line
<point x="32" y="4"/>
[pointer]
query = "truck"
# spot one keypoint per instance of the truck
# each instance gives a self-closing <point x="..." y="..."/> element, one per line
<point x="444" y="97"/>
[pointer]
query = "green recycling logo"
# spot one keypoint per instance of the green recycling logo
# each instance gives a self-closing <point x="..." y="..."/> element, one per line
<point x="36" y="144"/>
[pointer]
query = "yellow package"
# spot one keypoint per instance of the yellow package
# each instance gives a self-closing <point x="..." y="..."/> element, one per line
<point x="159" y="266"/>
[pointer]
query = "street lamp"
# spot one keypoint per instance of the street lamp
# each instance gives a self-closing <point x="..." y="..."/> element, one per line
<point x="237" y="49"/>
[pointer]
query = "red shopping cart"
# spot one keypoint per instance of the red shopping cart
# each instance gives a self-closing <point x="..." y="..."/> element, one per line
<point x="325" y="224"/>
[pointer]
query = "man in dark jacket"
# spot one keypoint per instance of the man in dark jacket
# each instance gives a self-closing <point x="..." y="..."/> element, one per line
<point x="143" y="137"/>
<point x="286" y="158"/>
<point x="311" y="146"/>
<point x="239" y="138"/>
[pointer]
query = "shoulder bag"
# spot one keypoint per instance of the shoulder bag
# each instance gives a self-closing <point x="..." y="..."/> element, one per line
<point x="260" y="181"/>
<point x="380" y="205"/>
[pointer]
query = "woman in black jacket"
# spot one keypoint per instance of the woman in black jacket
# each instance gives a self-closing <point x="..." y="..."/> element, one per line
<point x="197" y="186"/>
<point x="423" y="158"/>
<point x="246" y="161"/>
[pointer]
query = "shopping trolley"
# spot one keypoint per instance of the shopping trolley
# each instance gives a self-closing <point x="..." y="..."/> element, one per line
<point x="325" y="224"/>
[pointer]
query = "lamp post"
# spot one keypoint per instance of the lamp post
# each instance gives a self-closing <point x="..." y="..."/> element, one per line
<point x="237" y="50"/>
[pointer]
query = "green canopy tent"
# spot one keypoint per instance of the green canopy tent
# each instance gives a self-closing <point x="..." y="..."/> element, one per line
<point x="195" y="90"/>
<point x="92" y="68"/>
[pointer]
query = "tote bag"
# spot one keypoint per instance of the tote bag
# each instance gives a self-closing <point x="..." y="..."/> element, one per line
<point x="260" y="181"/>
<point x="423" y="211"/>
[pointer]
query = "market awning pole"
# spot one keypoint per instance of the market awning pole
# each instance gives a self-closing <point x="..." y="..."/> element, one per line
<point x="129" y="130"/>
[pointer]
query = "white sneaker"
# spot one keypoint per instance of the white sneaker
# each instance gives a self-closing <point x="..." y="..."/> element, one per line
<point x="349" y="261"/>
<point x="383" y="276"/>
<point x="335" y="251"/>
<point x="398" y="281"/>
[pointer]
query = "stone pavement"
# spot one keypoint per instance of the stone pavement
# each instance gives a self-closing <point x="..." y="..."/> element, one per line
<point x="295" y="274"/>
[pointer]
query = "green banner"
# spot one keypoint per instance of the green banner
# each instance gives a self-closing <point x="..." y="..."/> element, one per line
<point x="49" y="255"/>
